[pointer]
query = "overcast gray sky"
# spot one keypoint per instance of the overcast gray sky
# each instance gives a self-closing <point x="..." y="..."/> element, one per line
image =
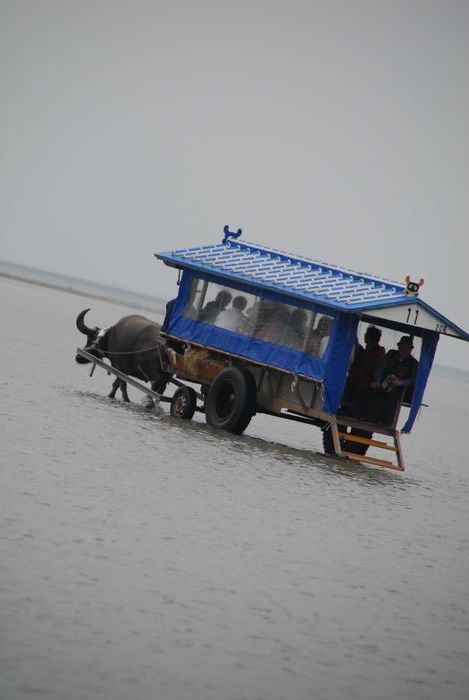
<point x="335" y="129"/>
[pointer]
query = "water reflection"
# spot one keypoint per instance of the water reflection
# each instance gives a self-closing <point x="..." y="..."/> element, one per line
<point x="253" y="447"/>
<point x="258" y="566"/>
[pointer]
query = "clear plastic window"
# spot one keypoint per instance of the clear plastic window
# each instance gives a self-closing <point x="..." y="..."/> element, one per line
<point x="251" y="315"/>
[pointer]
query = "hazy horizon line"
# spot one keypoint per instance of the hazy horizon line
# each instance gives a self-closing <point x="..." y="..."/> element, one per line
<point x="157" y="308"/>
<point x="45" y="271"/>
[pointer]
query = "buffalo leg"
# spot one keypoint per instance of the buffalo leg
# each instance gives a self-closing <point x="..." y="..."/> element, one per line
<point x="160" y="383"/>
<point x="123" y="386"/>
<point x="119" y="384"/>
<point x="115" y="386"/>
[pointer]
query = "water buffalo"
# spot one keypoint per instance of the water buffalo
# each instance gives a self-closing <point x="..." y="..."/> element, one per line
<point x="131" y="346"/>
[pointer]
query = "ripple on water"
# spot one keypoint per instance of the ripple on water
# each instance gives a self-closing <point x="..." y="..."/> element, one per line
<point x="148" y="557"/>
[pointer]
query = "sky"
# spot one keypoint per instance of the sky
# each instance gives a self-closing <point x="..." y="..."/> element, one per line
<point x="337" y="130"/>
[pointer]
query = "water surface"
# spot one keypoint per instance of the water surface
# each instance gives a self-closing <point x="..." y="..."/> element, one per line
<point x="144" y="557"/>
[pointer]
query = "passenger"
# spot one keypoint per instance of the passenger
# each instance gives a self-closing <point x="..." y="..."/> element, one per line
<point x="251" y="314"/>
<point x="259" y="315"/>
<point x="362" y="371"/>
<point x="233" y="319"/>
<point x="360" y="375"/>
<point x="319" y="338"/>
<point x="272" y="320"/>
<point x="297" y="326"/>
<point x="290" y="338"/>
<point x="211" y="310"/>
<point x="394" y="375"/>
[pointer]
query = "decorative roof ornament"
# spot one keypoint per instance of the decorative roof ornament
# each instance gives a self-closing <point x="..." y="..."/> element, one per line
<point x="412" y="288"/>
<point x="231" y="234"/>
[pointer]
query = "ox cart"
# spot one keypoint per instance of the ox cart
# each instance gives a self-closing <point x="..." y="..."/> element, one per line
<point x="262" y="331"/>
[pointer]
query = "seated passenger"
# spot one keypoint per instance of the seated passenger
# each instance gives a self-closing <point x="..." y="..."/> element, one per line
<point x="271" y="322"/>
<point x="395" y="374"/>
<point x="233" y="319"/>
<point x="211" y="310"/>
<point x="319" y="338"/>
<point x="289" y="337"/>
<point x="297" y="328"/>
<point x="362" y="371"/>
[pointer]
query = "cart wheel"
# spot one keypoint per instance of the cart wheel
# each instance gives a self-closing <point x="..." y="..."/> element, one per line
<point x="231" y="400"/>
<point x="183" y="403"/>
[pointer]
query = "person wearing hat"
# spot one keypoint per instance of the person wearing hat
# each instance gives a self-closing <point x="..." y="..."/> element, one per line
<point x="394" y="375"/>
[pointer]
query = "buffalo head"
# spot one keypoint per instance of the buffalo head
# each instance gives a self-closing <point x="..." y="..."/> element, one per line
<point x="94" y="338"/>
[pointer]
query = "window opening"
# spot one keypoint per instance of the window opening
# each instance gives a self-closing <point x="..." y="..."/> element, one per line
<point x="382" y="373"/>
<point x="255" y="316"/>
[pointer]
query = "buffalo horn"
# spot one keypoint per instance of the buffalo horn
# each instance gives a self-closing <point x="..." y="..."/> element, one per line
<point x="82" y="327"/>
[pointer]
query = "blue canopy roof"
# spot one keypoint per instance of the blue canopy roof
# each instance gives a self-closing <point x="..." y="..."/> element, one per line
<point x="306" y="279"/>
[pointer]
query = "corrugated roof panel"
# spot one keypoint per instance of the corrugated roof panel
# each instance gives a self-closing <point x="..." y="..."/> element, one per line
<point x="300" y="275"/>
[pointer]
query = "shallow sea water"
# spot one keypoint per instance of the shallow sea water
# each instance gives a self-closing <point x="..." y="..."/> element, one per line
<point x="144" y="557"/>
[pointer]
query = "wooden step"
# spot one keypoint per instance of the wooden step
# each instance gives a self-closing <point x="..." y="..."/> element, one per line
<point x="367" y="441"/>
<point x="365" y="425"/>
<point x="372" y="460"/>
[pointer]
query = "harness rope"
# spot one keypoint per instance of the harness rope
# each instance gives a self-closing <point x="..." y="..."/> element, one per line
<point x="129" y="352"/>
<point x="103" y="332"/>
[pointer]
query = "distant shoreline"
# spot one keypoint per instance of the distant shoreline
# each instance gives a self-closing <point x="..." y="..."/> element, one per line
<point x="92" y="295"/>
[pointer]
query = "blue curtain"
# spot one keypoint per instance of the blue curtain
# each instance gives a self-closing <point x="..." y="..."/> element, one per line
<point x="337" y="359"/>
<point x="427" y="354"/>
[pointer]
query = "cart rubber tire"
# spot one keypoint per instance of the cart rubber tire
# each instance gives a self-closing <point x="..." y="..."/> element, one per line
<point x="231" y="400"/>
<point x="183" y="403"/>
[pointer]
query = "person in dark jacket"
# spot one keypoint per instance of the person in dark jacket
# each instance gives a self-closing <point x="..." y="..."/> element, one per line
<point x="357" y="388"/>
<point x="394" y="375"/>
<point x="362" y="371"/>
